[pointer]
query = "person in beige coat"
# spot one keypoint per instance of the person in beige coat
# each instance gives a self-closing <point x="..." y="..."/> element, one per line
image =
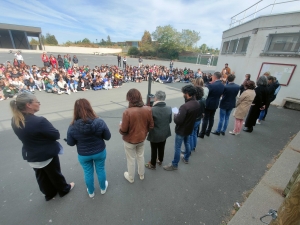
<point x="242" y="106"/>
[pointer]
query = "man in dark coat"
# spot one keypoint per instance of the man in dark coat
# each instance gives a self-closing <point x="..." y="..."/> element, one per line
<point x="184" y="120"/>
<point x="227" y="103"/>
<point x="216" y="89"/>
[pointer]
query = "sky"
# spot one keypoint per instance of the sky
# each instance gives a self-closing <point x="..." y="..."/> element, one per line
<point x="73" y="20"/>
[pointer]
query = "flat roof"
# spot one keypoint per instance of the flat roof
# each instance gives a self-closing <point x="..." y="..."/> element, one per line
<point x="28" y="29"/>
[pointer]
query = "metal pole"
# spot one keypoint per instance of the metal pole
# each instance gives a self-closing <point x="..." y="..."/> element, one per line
<point x="149" y="88"/>
<point x="11" y="38"/>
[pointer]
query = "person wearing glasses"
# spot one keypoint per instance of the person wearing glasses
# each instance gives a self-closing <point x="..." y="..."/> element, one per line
<point x="40" y="146"/>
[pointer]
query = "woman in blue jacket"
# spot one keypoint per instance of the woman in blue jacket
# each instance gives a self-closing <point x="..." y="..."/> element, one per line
<point x="88" y="133"/>
<point x="40" y="146"/>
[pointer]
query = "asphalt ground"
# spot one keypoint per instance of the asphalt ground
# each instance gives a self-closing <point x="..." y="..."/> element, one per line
<point x="201" y="192"/>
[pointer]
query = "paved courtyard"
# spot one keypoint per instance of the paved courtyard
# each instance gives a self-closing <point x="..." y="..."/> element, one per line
<point x="201" y="192"/>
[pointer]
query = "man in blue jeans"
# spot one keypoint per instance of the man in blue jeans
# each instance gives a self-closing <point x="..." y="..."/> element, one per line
<point x="184" y="120"/>
<point x="227" y="103"/>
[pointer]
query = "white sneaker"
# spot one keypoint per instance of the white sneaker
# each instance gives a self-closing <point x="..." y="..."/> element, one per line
<point x="91" y="195"/>
<point x="126" y="175"/>
<point x="257" y="122"/>
<point x="142" y="177"/>
<point x="106" y="185"/>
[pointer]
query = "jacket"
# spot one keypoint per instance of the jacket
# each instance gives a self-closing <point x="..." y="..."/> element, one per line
<point x="243" y="104"/>
<point x="75" y="60"/>
<point x="162" y="117"/>
<point x="186" y="117"/>
<point x="216" y="89"/>
<point x="88" y="136"/>
<point x="38" y="138"/>
<point x="228" y="100"/>
<point x="136" y="122"/>
<point x="202" y="108"/>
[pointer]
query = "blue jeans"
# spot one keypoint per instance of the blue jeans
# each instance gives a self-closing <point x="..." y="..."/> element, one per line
<point x="262" y="114"/>
<point x="194" y="134"/>
<point x="87" y="163"/>
<point x="178" y="142"/>
<point x="224" y="118"/>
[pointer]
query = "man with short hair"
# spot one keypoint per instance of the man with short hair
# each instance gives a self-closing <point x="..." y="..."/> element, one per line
<point x="198" y="73"/>
<point x="184" y="120"/>
<point x="75" y="61"/>
<point x="227" y="103"/>
<point x="216" y="89"/>
<point x="140" y="61"/>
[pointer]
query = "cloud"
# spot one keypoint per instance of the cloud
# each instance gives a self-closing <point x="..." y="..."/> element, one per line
<point x="127" y="20"/>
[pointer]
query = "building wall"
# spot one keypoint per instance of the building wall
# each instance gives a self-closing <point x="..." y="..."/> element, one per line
<point x="83" y="50"/>
<point x="5" y="41"/>
<point x="251" y="62"/>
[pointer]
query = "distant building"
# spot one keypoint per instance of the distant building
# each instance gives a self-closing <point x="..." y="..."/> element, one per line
<point x="266" y="43"/>
<point x="16" y="36"/>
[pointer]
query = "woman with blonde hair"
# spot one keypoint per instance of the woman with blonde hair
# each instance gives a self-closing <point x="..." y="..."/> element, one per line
<point x="88" y="132"/>
<point x="40" y="146"/>
<point x="199" y="82"/>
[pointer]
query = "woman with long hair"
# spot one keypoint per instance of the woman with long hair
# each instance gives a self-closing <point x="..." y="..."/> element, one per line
<point x="40" y="146"/>
<point x="88" y="132"/>
<point x="136" y="122"/>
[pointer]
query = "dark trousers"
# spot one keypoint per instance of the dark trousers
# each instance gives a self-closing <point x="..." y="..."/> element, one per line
<point x="124" y="65"/>
<point x="119" y="63"/>
<point x="157" y="148"/>
<point x="208" y="121"/>
<point x="51" y="181"/>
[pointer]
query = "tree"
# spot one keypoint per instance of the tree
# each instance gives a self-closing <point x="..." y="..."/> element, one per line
<point x="133" y="51"/>
<point x="203" y="48"/>
<point x="50" y="39"/>
<point x="86" y="41"/>
<point x="34" y="42"/>
<point x="103" y="42"/>
<point x="108" y="40"/>
<point x="189" y="38"/>
<point x="146" y="39"/>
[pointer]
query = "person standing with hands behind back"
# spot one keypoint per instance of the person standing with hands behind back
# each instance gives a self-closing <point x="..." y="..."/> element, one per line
<point x="88" y="133"/>
<point x="136" y="122"/>
<point x="40" y="146"/>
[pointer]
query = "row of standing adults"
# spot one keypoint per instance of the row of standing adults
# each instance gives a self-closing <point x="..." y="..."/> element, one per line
<point x="88" y="132"/>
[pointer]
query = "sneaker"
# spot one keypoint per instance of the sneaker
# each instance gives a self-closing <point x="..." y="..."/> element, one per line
<point x="142" y="177"/>
<point x="126" y="175"/>
<point x="258" y="122"/>
<point x="183" y="159"/>
<point x="72" y="185"/>
<point x="91" y="195"/>
<point x="170" y="167"/>
<point x="106" y="185"/>
<point x="233" y="133"/>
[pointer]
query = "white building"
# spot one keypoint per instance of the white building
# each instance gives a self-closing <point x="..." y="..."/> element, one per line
<point x="264" y="44"/>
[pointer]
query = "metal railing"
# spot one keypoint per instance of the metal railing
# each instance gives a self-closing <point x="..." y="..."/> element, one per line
<point x="244" y="17"/>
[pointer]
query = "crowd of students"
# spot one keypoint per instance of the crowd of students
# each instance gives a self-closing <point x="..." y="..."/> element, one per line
<point x="63" y="75"/>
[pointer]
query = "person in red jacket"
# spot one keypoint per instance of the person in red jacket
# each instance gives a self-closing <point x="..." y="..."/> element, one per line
<point x="45" y="59"/>
<point x="53" y="62"/>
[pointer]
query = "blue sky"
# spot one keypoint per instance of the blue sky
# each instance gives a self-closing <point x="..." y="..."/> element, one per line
<point x="127" y="20"/>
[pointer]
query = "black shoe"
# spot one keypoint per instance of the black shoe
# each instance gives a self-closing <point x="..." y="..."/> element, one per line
<point x="201" y="136"/>
<point x="249" y="130"/>
<point x="215" y="133"/>
<point x="223" y="133"/>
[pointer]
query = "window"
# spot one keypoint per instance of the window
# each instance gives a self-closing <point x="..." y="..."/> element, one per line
<point x="225" y="47"/>
<point x="243" y="45"/>
<point x="232" y="46"/>
<point x="283" y="43"/>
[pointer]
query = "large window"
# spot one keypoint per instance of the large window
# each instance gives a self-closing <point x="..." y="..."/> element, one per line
<point x="283" y="43"/>
<point x="236" y="46"/>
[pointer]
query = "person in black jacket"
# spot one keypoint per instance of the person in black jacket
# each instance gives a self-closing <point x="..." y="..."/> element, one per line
<point x="40" y="147"/>
<point x="88" y="133"/>
<point x="271" y="91"/>
<point x="259" y="103"/>
<point x="184" y="120"/>
<point x="227" y="103"/>
<point x="216" y="89"/>
<point x="162" y="117"/>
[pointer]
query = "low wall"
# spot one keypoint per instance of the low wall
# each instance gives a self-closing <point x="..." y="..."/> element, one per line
<point x="83" y="50"/>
